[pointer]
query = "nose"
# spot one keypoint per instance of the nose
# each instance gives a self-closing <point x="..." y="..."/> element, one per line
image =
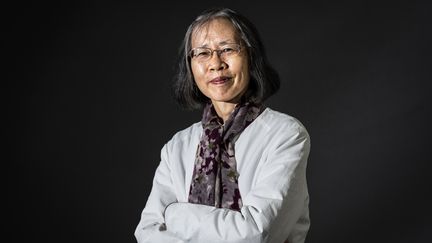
<point x="216" y="63"/>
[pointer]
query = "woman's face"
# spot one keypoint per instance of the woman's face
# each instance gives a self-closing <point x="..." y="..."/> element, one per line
<point x="221" y="79"/>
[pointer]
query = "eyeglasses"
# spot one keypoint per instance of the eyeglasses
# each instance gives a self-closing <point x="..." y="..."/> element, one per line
<point x="204" y="54"/>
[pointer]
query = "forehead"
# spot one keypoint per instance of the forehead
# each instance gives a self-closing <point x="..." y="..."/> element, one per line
<point x="214" y="32"/>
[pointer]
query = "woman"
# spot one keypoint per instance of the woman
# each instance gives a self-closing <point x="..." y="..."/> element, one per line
<point x="239" y="175"/>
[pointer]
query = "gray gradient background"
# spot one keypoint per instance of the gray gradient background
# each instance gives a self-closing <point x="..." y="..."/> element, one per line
<point x="88" y="108"/>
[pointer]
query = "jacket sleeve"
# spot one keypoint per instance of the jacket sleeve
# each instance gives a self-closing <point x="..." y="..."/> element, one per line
<point x="280" y="191"/>
<point x="151" y="227"/>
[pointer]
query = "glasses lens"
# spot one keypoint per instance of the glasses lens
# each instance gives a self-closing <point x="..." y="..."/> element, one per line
<point x="229" y="50"/>
<point x="203" y="54"/>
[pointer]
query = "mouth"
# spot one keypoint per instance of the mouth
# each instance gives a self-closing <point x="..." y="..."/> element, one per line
<point x="220" y="80"/>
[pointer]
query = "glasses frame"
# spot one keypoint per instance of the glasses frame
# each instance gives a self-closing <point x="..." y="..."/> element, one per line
<point x="218" y="51"/>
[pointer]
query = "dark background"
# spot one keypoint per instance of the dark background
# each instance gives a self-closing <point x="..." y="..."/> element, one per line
<point x="88" y="107"/>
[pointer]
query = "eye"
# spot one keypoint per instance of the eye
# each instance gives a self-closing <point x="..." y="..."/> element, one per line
<point x="228" y="50"/>
<point x="201" y="53"/>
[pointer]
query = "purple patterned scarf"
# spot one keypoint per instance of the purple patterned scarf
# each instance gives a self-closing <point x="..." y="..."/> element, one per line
<point x="215" y="177"/>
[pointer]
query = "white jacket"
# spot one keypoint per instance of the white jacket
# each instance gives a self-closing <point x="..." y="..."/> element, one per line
<point x="271" y="156"/>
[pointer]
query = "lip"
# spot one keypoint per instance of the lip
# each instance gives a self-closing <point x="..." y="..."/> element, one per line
<point x="220" y="80"/>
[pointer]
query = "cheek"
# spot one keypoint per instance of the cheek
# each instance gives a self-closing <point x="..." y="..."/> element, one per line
<point x="197" y="72"/>
<point x="241" y="68"/>
<point x="245" y="66"/>
<point x="245" y="71"/>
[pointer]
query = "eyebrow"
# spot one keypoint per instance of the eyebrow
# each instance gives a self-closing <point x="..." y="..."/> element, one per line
<point x="224" y="42"/>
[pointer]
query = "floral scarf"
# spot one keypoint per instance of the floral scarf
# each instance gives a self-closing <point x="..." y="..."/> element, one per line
<point x="215" y="176"/>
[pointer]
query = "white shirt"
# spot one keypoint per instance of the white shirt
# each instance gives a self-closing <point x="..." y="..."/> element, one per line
<point x="271" y="155"/>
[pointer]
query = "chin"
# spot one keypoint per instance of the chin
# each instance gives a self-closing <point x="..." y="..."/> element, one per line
<point x="220" y="98"/>
<point x="225" y="99"/>
<point x="228" y="97"/>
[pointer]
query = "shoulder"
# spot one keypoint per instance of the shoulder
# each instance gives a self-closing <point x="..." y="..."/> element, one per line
<point x="277" y="122"/>
<point x="185" y="136"/>
<point x="272" y="130"/>
<point x="283" y="133"/>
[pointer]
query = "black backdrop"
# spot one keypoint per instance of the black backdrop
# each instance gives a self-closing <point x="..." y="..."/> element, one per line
<point x="88" y="108"/>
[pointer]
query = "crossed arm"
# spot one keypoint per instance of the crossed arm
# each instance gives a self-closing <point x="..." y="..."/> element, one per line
<point x="279" y="191"/>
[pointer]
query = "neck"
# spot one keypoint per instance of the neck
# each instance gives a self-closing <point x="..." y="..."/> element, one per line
<point x="224" y="109"/>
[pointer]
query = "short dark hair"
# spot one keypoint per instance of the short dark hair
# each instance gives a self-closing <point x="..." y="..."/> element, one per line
<point x="264" y="80"/>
